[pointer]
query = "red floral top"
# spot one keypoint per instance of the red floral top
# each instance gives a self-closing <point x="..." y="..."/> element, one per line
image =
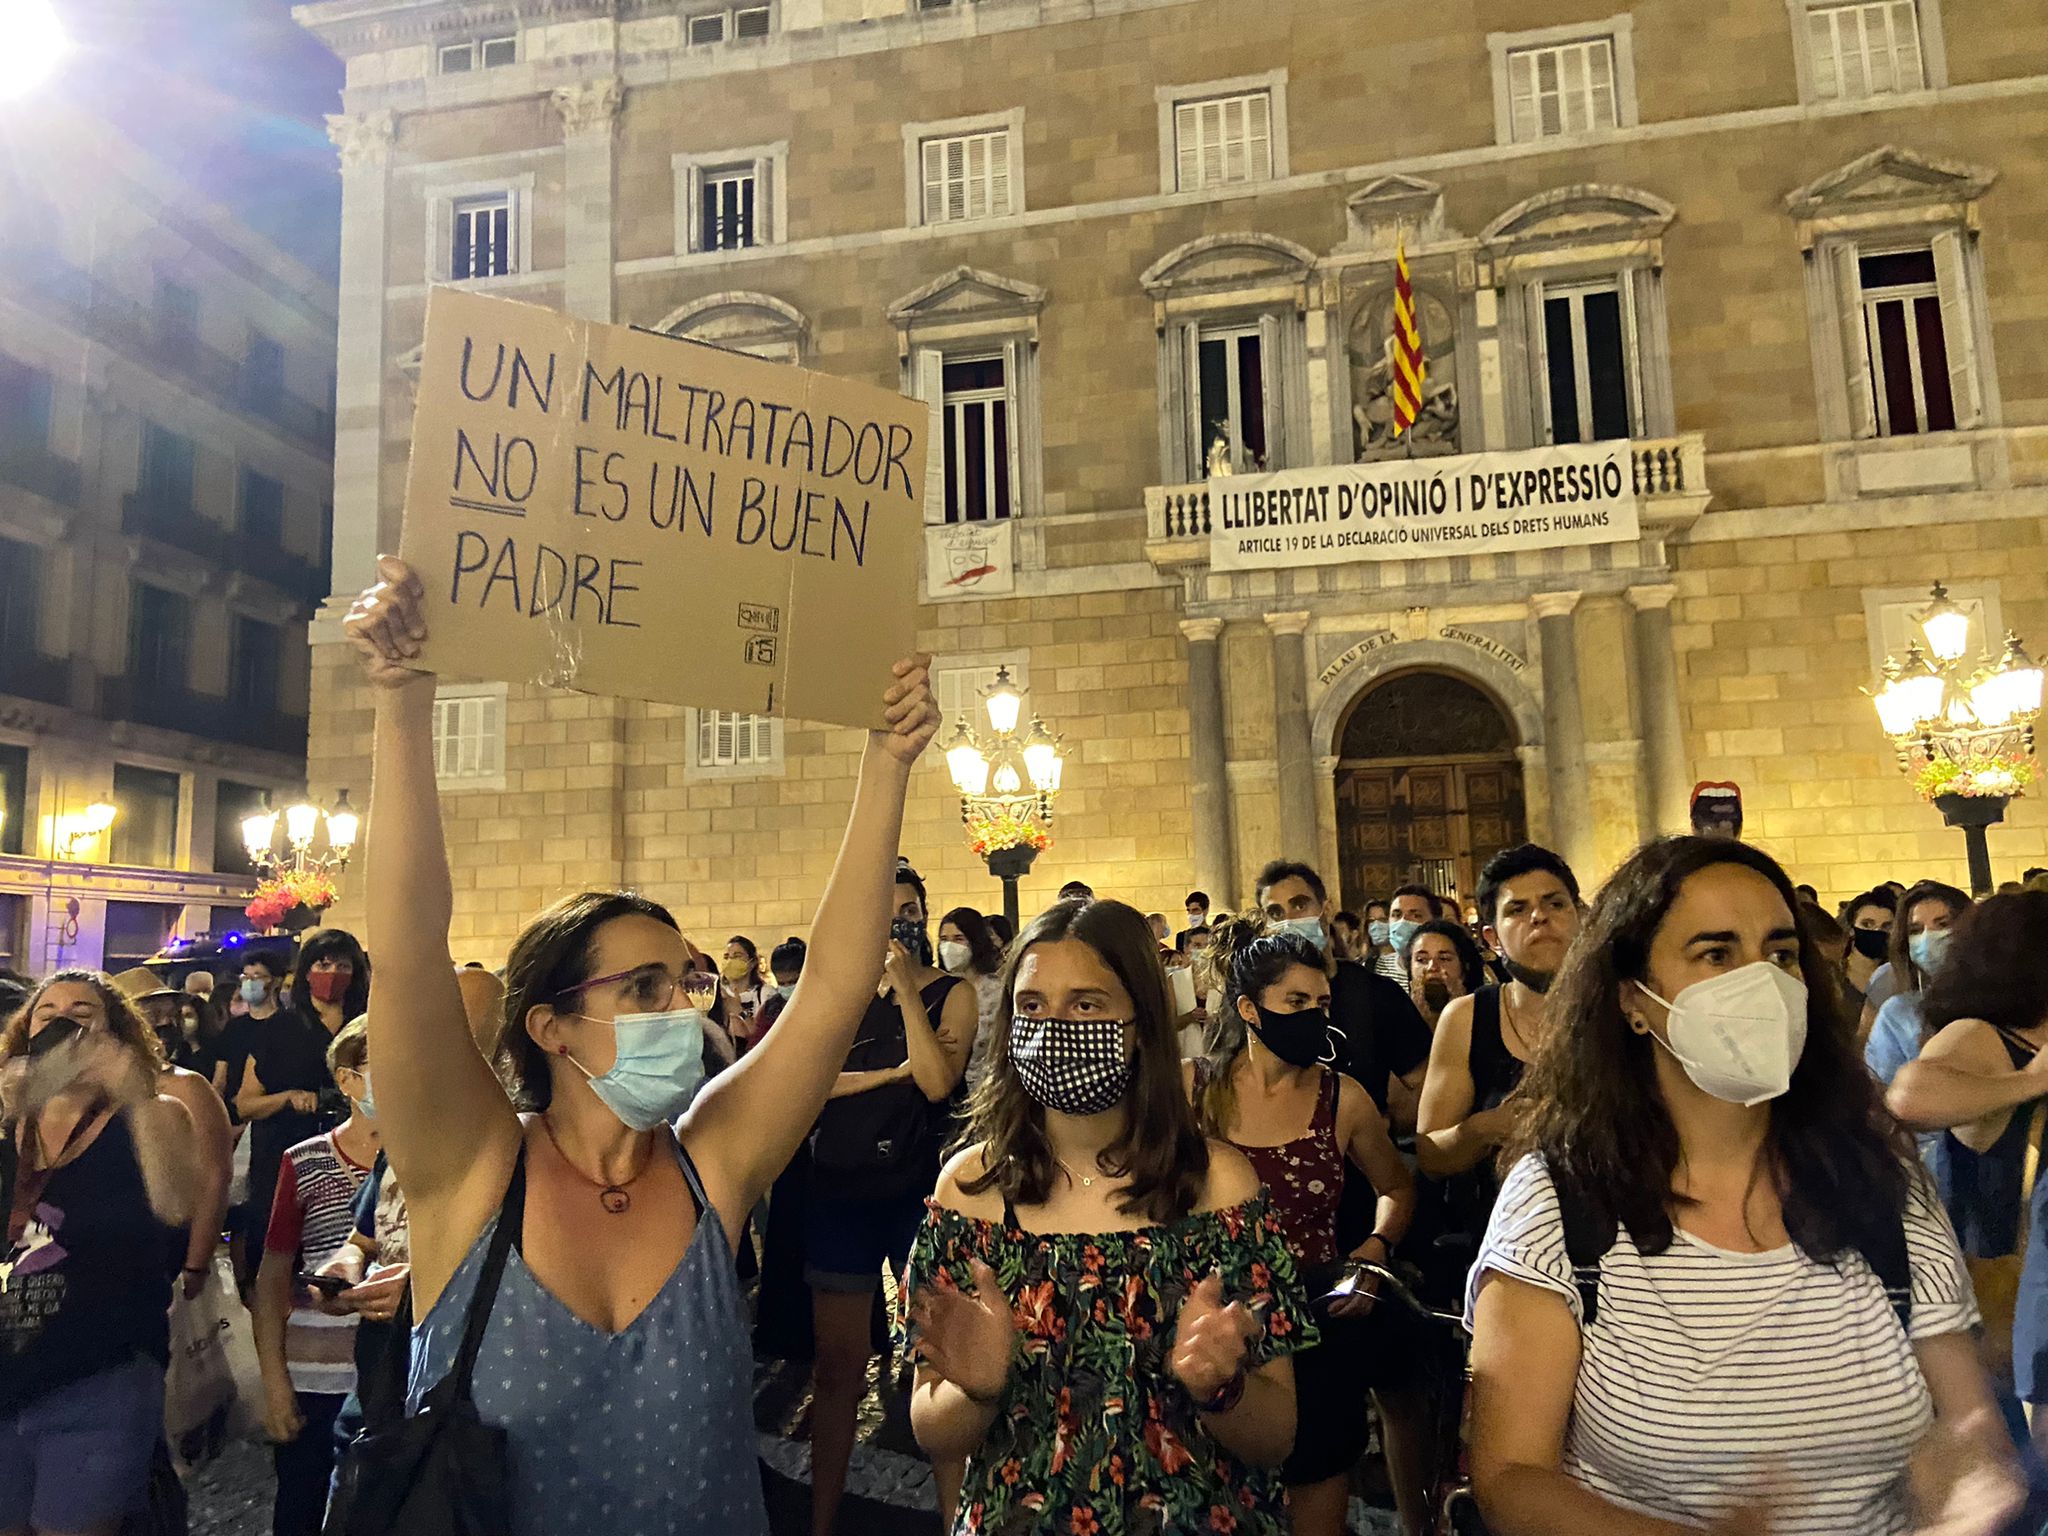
<point x="1095" y="1436"/>
<point x="1304" y="1176"/>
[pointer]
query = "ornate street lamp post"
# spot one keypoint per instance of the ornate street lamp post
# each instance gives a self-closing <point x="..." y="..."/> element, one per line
<point x="1007" y="779"/>
<point x="296" y="876"/>
<point x="1963" y="728"/>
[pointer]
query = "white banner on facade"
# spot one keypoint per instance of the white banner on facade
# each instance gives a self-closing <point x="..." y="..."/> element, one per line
<point x="1480" y="504"/>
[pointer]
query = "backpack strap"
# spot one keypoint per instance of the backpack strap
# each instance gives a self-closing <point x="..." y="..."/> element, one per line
<point x="1587" y="1238"/>
<point x="1883" y="1246"/>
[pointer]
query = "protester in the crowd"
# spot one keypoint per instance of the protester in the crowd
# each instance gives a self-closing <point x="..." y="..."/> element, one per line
<point x="968" y="949"/>
<point x="786" y="966"/>
<point x="163" y="1008"/>
<point x="626" y="1227"/>
<point x="199" y="983"/>
<point x="1919" y="940"/>
<point x="1347" y="936"/>
<point x="278" y="1069"/>
<point x="1831" y="940"/>
<point x="1197" y="909"/>
<point x="1869" y="920"/>
<point x="1443" y="964"/>
<point x="1679" y="1317"/>
<point x="1376" y="935"/>
<point x="103" y="1168"/>
<point x="1410" y="907"/>
<point x="305" y="1342"/>
<point x="1161" y="930"/>
<point x="1141" y="1264"/>
<point x="331" y="979"/>
<point x="1076" y="890"/>
<point x="1892" y="978"/>
<point x="899" y="1083"/>
<point x="1807" y="895"/>
<point x="1982" y="1076"/>
<point x="1265" y="1090"/>
<point x="1529" y="901"/>
<point x="740" y="969"/>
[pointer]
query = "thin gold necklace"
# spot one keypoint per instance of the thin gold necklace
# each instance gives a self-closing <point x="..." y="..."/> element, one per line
<point x="613" y="1197"/>
<point x="1088" y="1183"/>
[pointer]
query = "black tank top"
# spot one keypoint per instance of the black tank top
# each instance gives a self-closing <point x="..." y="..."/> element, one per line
<point x="88" y="1283"/>
<point x="1987" y="1190"/>
<point x="1496" y="1072"/>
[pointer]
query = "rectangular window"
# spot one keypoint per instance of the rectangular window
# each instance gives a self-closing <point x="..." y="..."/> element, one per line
<point x="483" y="237"/>
<point x="977" y="412"/>
<point x="458" y="59"/>
<point x="1586" y="367"/>
<point x="145" y="832"/>
<point x="20" y="599"/>
<point x="1224" y="140"/>
<point x="959" y="688"/>
<point x="13" y="799"/>
<point x="967" y="176"/>
<point x="177" y="309"/>
<point x="136" y="930"/>
<point x="263" y="369"/>
<point x="750" y="21"/>
<point x="233" y="804"/>
<point x="1230" y="376"/>
<point x="166" y="469"/>
<point x="1908" y="345"/>
<point x="1867" y="49"/>
<point x="159" y="639"/>
<point x="253" y="670"/>
<point x="497" y="52"/>
<point x="24" y="407"/>
<point x="725" y="209"/>
<point x="737" y="741"/>
<point x="707" y="29"/>
<point x="1561" y="90"/>
<point x="469" y="737"/>
<point x="262" y="509"/>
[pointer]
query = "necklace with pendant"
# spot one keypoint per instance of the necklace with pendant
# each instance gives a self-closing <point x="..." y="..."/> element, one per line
<point x="613" y="1197"/>
<point x="1087" y="1183"/>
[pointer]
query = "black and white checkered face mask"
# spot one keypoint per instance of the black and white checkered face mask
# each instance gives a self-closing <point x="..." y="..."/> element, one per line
<point x="1076" y="1066"/>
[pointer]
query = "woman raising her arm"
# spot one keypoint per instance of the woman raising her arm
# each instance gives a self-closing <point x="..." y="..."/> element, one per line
<point x="619" y="1294"/>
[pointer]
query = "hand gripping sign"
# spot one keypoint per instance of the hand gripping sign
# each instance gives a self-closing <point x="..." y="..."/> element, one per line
<point x="619" y="512"/>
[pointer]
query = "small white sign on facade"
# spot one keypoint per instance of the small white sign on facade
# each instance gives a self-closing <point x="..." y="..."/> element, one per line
<point x="970" y="560"/>
<point x="1479" y="504"/>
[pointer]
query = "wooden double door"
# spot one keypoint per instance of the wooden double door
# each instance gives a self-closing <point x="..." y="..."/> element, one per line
<point x="1432" y="823"/>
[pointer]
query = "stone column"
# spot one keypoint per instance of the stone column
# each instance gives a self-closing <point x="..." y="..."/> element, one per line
<point x="590" y="114"/>
<point x="1564" y="726"/>
<point x="1296" y="759"/>
<point x="1663" y="732"/>
<point x="365" y="144"/>
<point x="1209" y="790"/>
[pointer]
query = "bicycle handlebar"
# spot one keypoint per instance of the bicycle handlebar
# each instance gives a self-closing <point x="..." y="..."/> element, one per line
<point x="1391" y="1284"/>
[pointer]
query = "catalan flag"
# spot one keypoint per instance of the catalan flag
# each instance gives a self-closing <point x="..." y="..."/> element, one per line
<point x="1409" y="365"/>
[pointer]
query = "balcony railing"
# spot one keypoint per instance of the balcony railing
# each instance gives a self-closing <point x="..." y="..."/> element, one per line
<point x="30" y="675"/>
<point x="36" y="469"/>
<point x="170" y="708"/>
<point x="1670" y="481"/>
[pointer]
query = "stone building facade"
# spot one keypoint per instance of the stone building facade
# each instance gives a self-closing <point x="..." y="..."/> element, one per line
<point x="1781" y="247"/>
<point x="165" y="472"/>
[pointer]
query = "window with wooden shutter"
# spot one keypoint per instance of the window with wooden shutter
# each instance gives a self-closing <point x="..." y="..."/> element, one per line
<point x="967" y="176"/>
<point x="1866" y="49"/>
<point x="469" y="736"/>
<point x="1564" y="89"/>
<point x="482" y="244"/>
<point x="726" y="740"/>
<point x="1224" y="140"/>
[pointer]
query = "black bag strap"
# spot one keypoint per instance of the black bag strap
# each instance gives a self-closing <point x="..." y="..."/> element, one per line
<point x="511" y="1227"/>
<point x="1883" y="1246"/>
<point x="1587" y="1237"/>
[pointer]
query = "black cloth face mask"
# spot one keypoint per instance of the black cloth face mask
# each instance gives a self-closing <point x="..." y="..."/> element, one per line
<point x="1871" y="943"/>
<point x="911" y="935"/>
<point x="1299" y="1039"/>
<point x="52" y="1035"/>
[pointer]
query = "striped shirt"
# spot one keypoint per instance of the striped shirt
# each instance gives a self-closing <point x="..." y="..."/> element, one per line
<point x="1708" y="1374"/>
<point x="311" y="1217"/>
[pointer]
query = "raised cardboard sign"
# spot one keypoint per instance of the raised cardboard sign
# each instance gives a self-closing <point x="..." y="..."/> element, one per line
<point x="625" y="513"/>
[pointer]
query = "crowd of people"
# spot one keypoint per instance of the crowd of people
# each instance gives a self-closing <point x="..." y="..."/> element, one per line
<point x="1735" y="1197"/>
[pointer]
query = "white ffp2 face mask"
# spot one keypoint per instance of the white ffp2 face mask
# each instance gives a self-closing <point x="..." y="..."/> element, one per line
<point x="1740" y="1034"/>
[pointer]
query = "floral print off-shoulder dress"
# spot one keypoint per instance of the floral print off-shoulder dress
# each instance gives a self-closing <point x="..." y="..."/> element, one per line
<point x="1094" y="1435"/>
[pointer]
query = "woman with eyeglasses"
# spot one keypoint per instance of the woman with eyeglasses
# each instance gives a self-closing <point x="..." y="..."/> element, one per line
<point x="615" y="1358"/>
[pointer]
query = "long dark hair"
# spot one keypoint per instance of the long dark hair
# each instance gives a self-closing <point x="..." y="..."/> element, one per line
<point x="1903" y="964"/>
<point x="988" y="954"/>
<point x="1595" y="1113"/>
<point x="1160" y="1149"/>
<point x="124" y="1020"/>
<point x="1249" y="957"/>
<point x="549" y="960"/>
<point x="331" y="944"/>
<point x="1469" y="963"/>
<point x="2006" y="982"/>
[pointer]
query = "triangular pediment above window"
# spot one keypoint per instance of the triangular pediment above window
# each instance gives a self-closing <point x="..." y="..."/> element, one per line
<point x="1889" y="178"/>
<point x="1222" y="262"/>
<point x="739" y="320"/>
<point x="967" y="293"/>
<point x="1590" y="213"/>
<point x="1391" y="210"/>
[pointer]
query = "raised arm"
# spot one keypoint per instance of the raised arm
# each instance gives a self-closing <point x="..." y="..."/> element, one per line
<point x="448" y="1128"/>
<point x="746" y="1125"/>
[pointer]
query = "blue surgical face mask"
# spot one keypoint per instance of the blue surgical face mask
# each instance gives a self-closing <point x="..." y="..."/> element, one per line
<point x="1928" y="948"/>
<point x="658" y="1067"/>
<point x="254" y="990"/>
<point x="1310" y="928"/>
<point x="785" y="993"/>
<point x="1401" y="930"/>
<point x="1377" y="932"/>
<point x="366" y="1104"/>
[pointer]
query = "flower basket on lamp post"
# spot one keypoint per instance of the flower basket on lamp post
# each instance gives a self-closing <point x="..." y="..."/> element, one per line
<point x="1007" y="779"/>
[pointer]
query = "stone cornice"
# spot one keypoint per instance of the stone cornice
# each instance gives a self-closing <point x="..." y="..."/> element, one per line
<point x="1554" y="605"/>
<point x="591" y="106"/>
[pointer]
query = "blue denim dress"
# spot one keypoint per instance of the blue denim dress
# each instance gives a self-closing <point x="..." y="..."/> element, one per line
<point x="644" y="1432"/>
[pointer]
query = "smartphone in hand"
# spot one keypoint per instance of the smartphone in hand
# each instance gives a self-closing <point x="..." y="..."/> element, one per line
<point x="326" y="1285"/>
